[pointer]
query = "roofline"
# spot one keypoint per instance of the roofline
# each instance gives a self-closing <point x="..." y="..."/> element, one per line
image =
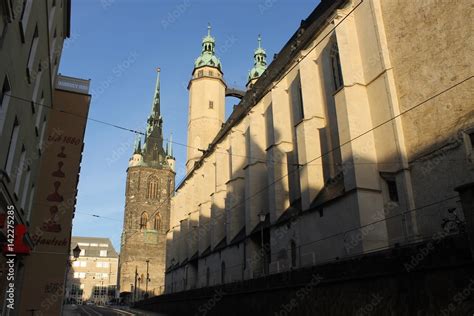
<point x="311" y="26"/>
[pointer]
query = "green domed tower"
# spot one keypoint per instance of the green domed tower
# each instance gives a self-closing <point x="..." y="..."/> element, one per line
<point x="260" y="64"/>
<point x="206" y="100"/>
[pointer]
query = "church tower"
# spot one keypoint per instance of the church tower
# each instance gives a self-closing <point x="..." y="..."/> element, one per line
<point x="259" y="66"/>
<point x="206" y="101"/>
<point x="150" y="183"/>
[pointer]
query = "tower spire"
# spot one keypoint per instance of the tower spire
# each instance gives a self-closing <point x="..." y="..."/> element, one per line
<point x="153" y="145"/>
<point x="260" y="62"/>
<point x="155" y="107"/>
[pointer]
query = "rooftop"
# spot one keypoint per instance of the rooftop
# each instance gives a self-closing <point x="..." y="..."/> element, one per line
<point x="93" y="245"/>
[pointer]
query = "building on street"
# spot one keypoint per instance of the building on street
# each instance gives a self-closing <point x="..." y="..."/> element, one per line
<point x="93" y="276"/>
<point x="352" y="140"/>
<point x="32" y="35"/>
<point x="150" y="181"/>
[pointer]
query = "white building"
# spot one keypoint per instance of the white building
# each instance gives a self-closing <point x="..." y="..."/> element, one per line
<point x="353" y="140"/>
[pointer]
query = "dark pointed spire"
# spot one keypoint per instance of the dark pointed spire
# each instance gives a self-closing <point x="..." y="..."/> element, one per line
<point x="153" y="146"/>
<point x="155" y="108"/>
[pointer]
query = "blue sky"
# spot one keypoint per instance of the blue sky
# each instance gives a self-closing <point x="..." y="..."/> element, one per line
<point x="119" y="43"/>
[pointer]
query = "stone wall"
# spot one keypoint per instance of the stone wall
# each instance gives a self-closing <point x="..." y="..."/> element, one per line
<point x="145" y="243"/>
<point x="430" y="278"/>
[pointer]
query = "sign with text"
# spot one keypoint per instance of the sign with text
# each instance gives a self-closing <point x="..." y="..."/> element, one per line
<point x="54" y="204"/>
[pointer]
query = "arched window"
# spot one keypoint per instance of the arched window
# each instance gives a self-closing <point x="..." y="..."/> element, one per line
<point x="336" y="67"/>
<point x="157" y="222"/>
<point x="143" y="220"/>
<point x="152" y="188"/>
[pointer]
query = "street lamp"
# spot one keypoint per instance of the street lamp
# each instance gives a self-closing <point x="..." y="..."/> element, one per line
<point x="262" y="216"/>
<point x="147" y="278"/>
<point x="76" y="252"/>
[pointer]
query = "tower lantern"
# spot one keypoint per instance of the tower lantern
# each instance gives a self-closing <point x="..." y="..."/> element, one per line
<point x="260" y="64"/>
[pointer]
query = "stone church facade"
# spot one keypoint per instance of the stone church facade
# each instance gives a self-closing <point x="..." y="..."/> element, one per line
<point x="150" y="182"/>
<point x="352" y="140"/>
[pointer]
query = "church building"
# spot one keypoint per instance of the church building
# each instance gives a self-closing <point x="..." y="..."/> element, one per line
<point x="352" y="140"/>
<point x="150" y="182"/>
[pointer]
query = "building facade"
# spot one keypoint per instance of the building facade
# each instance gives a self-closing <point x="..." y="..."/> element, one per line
<point x="150" y="181"/>
<point x="93" y="276"/>
<point x="55" y="200"/>
<point x="352" y="141"/>
<point x="32" y="34"/>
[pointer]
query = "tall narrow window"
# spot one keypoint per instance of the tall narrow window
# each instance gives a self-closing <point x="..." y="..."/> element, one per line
<point x="152" y="189"/>
<point x="336" y="67"/>
<point x="208" y="276"/>
<point x="18" y="172"/>
<point x="144" y="220"/>
<point x="32" y="56"/>
<point x="298" y="99"/>
<point x="4" y="100"/>
<point x="30" y="201"/>
<point x="157" y="222"/>
<point x="43" y="129"/>
<point x="25" y="16"/>
<point x="26" y="186"/>
<point x="12" y="146"/>
<point x="392" y="190"/>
